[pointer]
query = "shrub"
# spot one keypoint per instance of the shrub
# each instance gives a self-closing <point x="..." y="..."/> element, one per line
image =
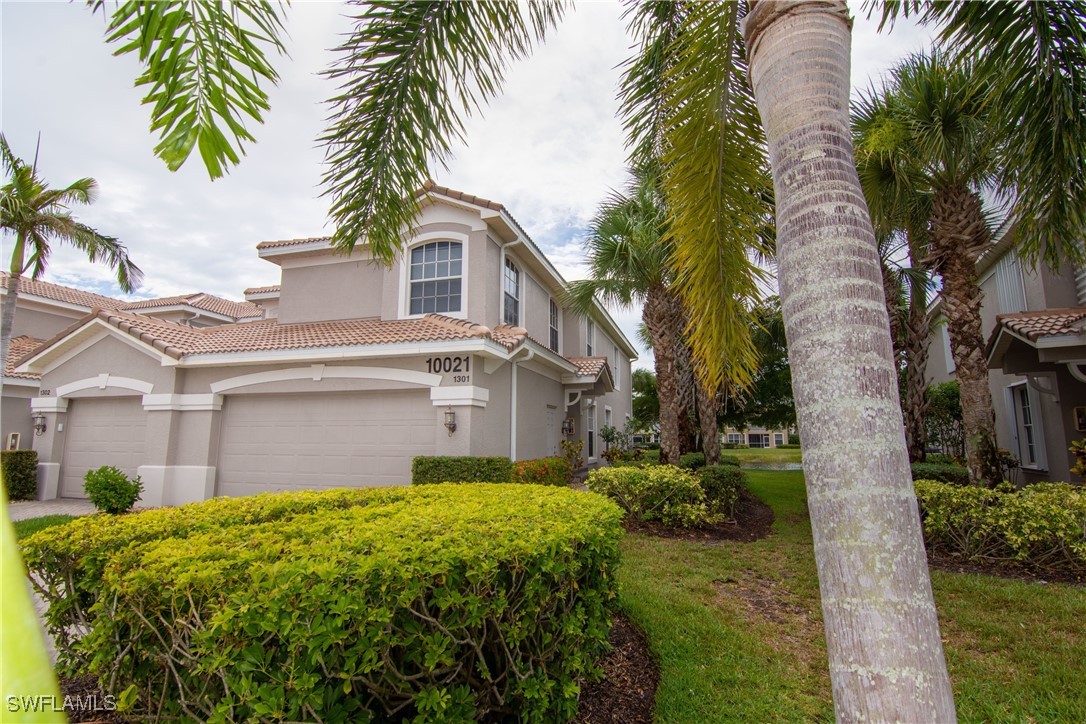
<point x="460" y="469"/>
<point x="20" y="471"/>
<point x="1042" y="526"/>
<point x="729" y="460"/>
<point x="957" y="474"/>
<point x="789" y="446"/>
<point x="544" y="471"/>
<point x="692" y="461"/>
<point x="658" y="492"/>
<point x="571" y="451"/>
<point x="110" y="490"/>
<point x="793" y="438"/>
<point x="733" y="446"/>
<point x="429" y="603"/>
<point x="651" y="457"/>
<point x="723" y="484"/>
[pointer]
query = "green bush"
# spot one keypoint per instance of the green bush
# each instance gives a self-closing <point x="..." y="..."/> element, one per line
<point x="729" y="460"/>
<point x="692" y="461"/>
<point x="429" y="603"/>
<point x="955" y="474"/>
<point x="1042" y="526"/>
<point x="941" y="459"/>
<point x="793" y="438"/>
<point x="658" y="492"/>
<point x="544" y="471"/>
<point x="110" y="490"/>
<point x="651" y="457"/>
<point x="789" y="446"/>
<point x="20" y="471"/>
<point x="460" y="469"/>
<point x="733" y="446"/>
<point x="723" y="484"/>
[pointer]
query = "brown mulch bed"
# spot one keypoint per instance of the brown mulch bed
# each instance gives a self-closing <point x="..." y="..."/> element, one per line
<point x="88" y="704"/>
<point x="753" y="521"/>
<point x="628" y="688"/>
<point x="944" y="561"/>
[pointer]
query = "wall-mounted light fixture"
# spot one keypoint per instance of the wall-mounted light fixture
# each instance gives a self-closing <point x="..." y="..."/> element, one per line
<point x="39" y="423"/>
<point x="450" y="420"/>
<point x="568" y="427"/>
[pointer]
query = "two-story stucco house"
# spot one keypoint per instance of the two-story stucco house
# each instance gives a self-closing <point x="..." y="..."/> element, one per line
<point x="351" y="370"/>
<point x="1035" y="322"/>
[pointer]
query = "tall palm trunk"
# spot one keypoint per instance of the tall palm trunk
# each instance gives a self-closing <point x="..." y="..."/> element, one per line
<point x="708" y="406"/>
<point x="891" y="290"/>
<point x="663" y="318"/>
<point x="685" y="388"/>
<point x="916" y="361"/>
<point x="7" y="315"/>
<point x="959" y="236"/>
<point x="882" y="634"/>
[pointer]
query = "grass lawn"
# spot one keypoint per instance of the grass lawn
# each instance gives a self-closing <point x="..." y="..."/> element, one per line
<point x="23" y="528"/>
<point x="737" y="628"/>
<point x="766" y="455"/>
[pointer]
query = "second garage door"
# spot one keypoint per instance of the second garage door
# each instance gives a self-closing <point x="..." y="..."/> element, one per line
<point x="101" y="431"/>
<point x="292" y="442"/>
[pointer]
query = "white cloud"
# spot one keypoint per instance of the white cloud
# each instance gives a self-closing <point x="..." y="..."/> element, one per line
<point x="549" y="148"/>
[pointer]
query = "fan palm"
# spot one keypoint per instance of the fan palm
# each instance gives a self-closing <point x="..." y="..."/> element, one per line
<point x="37" y="217"/>
<point x="628" y="263"/>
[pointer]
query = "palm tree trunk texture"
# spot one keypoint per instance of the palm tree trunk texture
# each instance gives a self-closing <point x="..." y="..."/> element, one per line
<point x="891" y="292"/>
<point x="917" y="331"/>
<point x="708" y="406"/>
<point x="663" y="318"/>
<point x="7" y="316"/>
<point x="687" y="395"/>
<point x="959" y="235"/>
<point x="885" y="654"/>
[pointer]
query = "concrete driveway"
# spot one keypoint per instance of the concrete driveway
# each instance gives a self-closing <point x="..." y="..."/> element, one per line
<point x="23" y="509"/>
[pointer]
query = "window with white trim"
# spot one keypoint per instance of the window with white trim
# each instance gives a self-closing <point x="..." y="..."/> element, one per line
<point x="511" y="308"/>
<point x="1010" y="288"/>
<point x="1027" y="427"/>
<point x="554" y="327"/>
<point x="778" y="439"/>
<point x="616" y="368"/>
<point x="590" y="338"/>
<point x="436" y="277"/>
<point x="735" y="438"/>
<point x="590" y="430"/>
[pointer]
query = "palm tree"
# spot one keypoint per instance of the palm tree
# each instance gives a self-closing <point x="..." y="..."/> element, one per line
<point x="628" y="263"/>
<point x="410" y="72"/>
<point x="38" y="216"/>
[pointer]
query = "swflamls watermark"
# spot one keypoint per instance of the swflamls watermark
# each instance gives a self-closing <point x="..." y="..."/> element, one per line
<point x="50" y="702"/>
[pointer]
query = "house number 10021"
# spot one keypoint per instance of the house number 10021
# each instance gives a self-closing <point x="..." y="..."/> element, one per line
<point x="437" y="365"/>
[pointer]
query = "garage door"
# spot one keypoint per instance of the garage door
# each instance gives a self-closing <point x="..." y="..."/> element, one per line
<point x="102" y="431"/>
<point x="290" y="442"/>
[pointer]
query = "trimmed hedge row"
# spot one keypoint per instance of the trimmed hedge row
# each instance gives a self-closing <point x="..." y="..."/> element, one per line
<point x="956" y="474"/>
<point x="543" y="471"/>
<point x="435" y="602"/>
<point x="1042" y="526"/>
<point x="20" y="473"/>
<point x="460" y="469"/>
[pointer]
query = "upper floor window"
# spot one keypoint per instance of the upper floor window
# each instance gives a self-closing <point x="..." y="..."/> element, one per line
<point x="1010" y="289"/>
<point x="512" y="293"/>
<point x="590" y="338"/>
<point x="436" y="277"/>
<point x="554" y="327"/>
<point x="616" y="368"/>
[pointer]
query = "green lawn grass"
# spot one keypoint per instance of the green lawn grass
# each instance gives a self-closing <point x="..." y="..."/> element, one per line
<point x="737" y="628"/>
<point x="766" y="454"/>
<point x="23" y="528"/>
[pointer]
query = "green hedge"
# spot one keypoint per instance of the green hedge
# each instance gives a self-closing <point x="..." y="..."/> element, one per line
<point x="732" y="460"/>
<point x="1042" y="526"/>
<point x="956" y="474"/>
<point x="543" y="471"/>
<point x="723" y="484"/>
<point x="462" y="469"/>
<point x="692" y="461"/>
<point x="110" y="490"/>
<point x="20" y="471"/>
<point x="788" y="446"/>
<point x="658" y="492"/>
<point x="436" y="602"/>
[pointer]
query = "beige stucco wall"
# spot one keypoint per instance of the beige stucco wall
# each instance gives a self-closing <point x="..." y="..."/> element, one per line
<point x="345" y="289"/>
<point x="15" y="415"/>
<point x="36" y="321"/>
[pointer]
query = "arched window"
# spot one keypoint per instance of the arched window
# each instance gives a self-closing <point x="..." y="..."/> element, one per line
<point x="511" y="315"/>
<point x="436" y="277"/>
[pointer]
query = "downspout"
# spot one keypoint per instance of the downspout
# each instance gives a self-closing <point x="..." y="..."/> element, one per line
<point x="513" y="398"/>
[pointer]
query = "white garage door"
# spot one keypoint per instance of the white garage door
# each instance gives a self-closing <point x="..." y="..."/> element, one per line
<point x="289" y="442"/>
<point x="101" y="431"/>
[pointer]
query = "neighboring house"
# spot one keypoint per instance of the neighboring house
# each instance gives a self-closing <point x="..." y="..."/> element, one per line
<point x="460" y="348"/>
<point x="755" y="437"/>
<point x="1034" y="320"/>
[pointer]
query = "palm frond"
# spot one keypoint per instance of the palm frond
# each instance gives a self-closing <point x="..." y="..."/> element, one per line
<point x="204" y="63"/>
<point x="409" y="75"/>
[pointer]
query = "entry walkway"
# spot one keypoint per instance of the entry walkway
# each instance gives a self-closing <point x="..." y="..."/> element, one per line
<point x="23" y="509"/>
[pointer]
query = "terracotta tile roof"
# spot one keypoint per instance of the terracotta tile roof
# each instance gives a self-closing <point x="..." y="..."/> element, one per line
<point x="263" y="290"/>
<point x="68" y="295"/>
<point x="291" y="242"/>
<point x="202" y="301"/>
<point x="19" y="348"/>
<point x="430" y="186"/>
<point x="1044" y="323"/>
<point x="177" y="340"/>
<point x="589" y="365"/>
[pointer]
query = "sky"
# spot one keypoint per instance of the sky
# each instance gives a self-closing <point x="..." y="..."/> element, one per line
<point x="549" y="148"/>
